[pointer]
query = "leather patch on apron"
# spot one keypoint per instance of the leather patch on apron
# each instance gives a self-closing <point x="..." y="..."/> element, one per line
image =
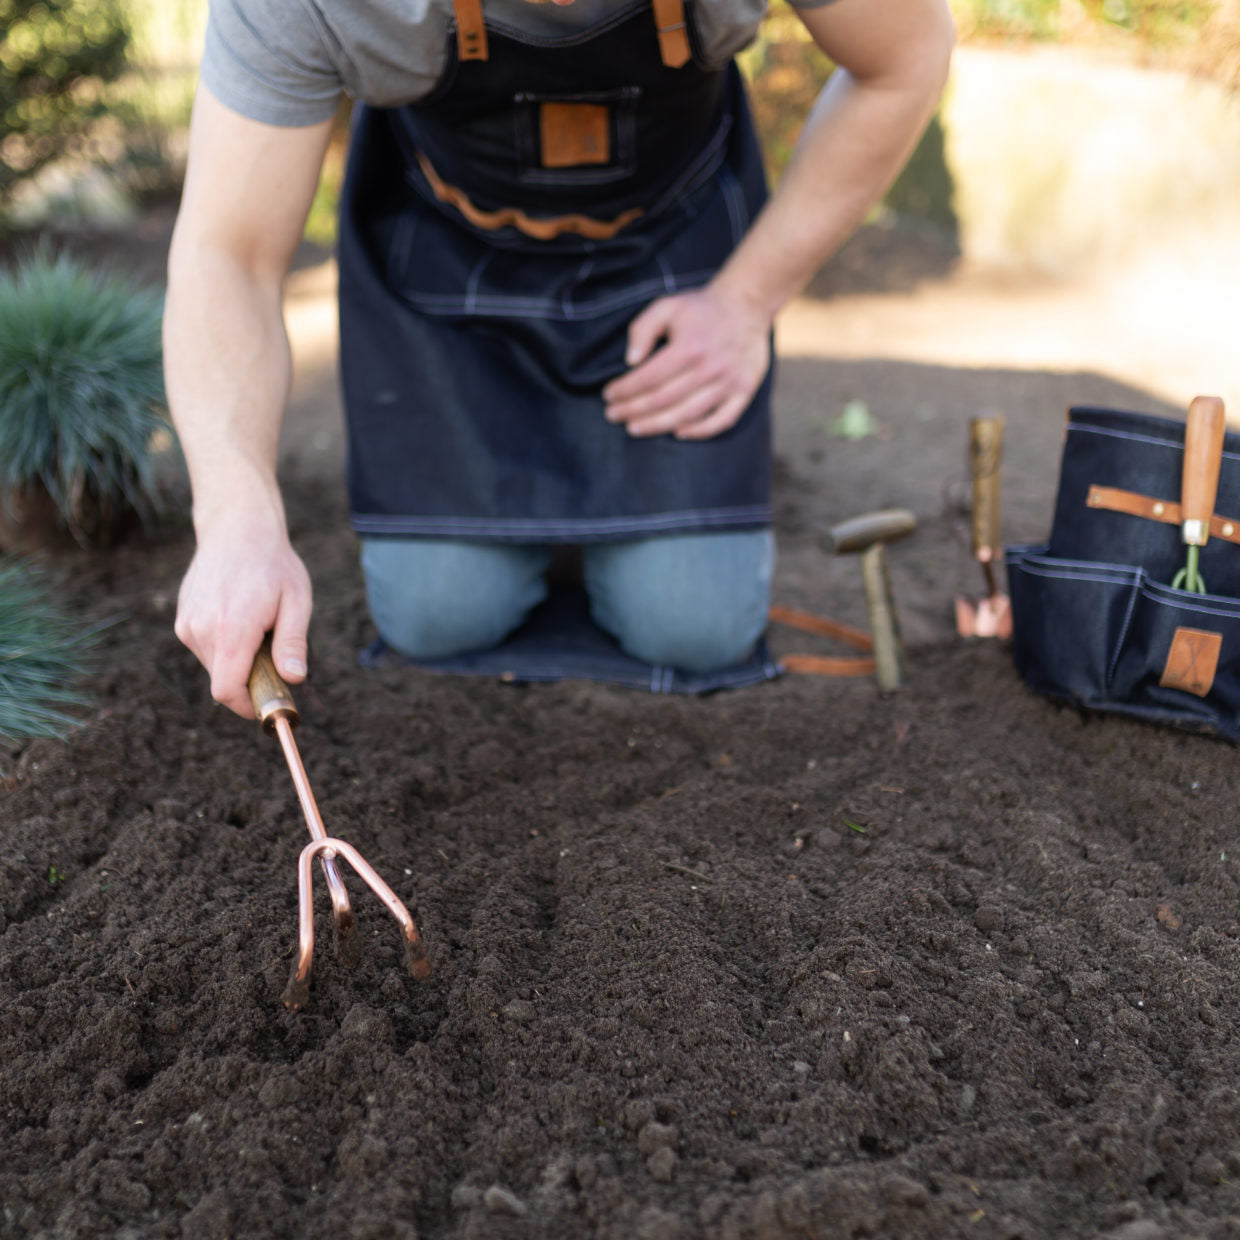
<point x="1192" y="661"/>
<point x="572" y="134"/>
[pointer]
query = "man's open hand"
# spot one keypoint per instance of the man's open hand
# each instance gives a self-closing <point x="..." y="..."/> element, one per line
<point x="695" y="361"/>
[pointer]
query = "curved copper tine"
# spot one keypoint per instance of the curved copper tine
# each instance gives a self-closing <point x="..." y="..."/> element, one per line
<point x="347" y="947"/>
<point x="298" y="989"/>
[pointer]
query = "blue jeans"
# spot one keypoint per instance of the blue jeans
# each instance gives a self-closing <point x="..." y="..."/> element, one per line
<point x="697" y="602"/>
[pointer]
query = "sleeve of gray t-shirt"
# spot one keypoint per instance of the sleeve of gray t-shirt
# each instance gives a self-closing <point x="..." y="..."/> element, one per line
<point x="270" y="61"/>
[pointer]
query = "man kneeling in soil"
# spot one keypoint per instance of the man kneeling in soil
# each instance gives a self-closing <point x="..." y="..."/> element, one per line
<point x="558" y="277"/>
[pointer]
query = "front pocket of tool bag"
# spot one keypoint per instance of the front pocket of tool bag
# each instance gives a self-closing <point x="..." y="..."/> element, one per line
<point x="1180" y="658"/>
<point x="1068" y="621"/>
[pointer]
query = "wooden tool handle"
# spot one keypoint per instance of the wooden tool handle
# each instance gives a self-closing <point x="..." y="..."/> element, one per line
<point x="270" y="696"/>
<point x="985" y="460"/>
<point x="1203" y="454"/>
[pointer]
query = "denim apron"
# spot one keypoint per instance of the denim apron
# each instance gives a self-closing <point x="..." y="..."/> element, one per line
<point x="497" y="239"/>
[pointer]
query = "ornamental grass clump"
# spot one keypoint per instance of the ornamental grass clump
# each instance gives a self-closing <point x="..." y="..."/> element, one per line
<point x="81" y="395"/>
<point x="44" y="654"/>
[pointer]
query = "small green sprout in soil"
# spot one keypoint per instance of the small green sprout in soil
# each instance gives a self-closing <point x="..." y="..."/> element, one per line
<point x="81" y="389"/>
<point x="856" y="826"/>
<point x="855" y="423"/>
<point x="54" y="875"/>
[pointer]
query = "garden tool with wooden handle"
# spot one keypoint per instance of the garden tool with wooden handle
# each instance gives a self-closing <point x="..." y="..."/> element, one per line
<point x="1203" y="457"/>
<point x="273" y="704"/>
<point x="990" y="616"/>
<point x="866" y="536"/>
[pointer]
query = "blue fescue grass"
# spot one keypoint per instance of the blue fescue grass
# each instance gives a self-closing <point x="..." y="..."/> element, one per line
<point x="81" y="386"/>
<point x="44" y="655"/>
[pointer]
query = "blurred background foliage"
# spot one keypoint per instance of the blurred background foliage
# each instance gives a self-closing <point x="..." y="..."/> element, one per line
<point x="786" y="71"/>
<point x="107" y="84"/>
<point x="87" y="85"/>
<point x="57" y="60"/>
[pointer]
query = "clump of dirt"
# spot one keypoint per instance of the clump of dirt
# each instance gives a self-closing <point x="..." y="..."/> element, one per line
<point x="797" y="960"/>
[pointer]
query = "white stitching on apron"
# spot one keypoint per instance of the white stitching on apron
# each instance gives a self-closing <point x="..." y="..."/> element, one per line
<point x="475" y="278"/>
<point x="536" y="529"/>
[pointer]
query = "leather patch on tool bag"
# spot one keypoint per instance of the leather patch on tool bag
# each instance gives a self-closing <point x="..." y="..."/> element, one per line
<point x="574" y="134"/>
<point x="1192" y="661"/>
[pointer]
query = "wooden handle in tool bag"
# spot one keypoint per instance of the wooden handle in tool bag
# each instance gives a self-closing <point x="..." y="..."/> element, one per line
<point x="985" y="460"/>
<point x="1203" y="455"/>
<point x="269" y="695"/>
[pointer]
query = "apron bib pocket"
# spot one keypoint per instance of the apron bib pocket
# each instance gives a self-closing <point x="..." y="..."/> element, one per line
<point x="572" y="140"/>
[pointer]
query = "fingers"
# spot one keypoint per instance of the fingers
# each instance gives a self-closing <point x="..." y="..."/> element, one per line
<point x="648" y="368"/>
<point x="692" y="406"/>
<point x="708" y="360"/>
<point x="228" y="603"/>
<point x="226" y="651"/>
<point x="230" y="670"/>
<point x="644" y="412"/>
<point x="288" y="639"/>
<point x="724" y="416"/>
<point x="648" y="329"/>
<point x="672" y="412"/>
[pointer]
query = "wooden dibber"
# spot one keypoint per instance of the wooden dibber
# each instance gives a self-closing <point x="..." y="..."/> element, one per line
<point x="990" y="616"/>
<point x="868" y="536"/>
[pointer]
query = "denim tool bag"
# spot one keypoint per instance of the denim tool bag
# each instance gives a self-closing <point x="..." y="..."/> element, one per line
<point x="1102" y="614"/>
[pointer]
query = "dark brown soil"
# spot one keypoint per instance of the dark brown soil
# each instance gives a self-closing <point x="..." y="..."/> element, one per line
<point x="792" y="961"/>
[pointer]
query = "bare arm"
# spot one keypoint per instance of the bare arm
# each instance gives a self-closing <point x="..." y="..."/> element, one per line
<point x="893" y="57"/>
<point x="226" y="358"/>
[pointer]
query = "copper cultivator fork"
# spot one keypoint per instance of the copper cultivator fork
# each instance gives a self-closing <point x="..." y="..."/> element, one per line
<point x="273" y="704"/>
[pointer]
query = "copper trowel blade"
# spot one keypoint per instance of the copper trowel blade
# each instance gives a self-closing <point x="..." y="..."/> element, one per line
<point x="989" y="617"/>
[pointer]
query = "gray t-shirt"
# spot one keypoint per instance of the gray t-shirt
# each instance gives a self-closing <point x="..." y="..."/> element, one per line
<point x="287" y="62"/>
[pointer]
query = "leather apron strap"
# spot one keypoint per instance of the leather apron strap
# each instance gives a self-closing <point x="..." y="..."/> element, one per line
<point x="669" y="20"/>
<point x="471" y="30"/>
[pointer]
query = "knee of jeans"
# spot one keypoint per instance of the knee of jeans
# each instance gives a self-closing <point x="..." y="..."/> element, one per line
<point x="696" y="602"/>
<point x="439" y="615"/>
<point x="438" y="631"/>
<point x="705" y="641"/>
